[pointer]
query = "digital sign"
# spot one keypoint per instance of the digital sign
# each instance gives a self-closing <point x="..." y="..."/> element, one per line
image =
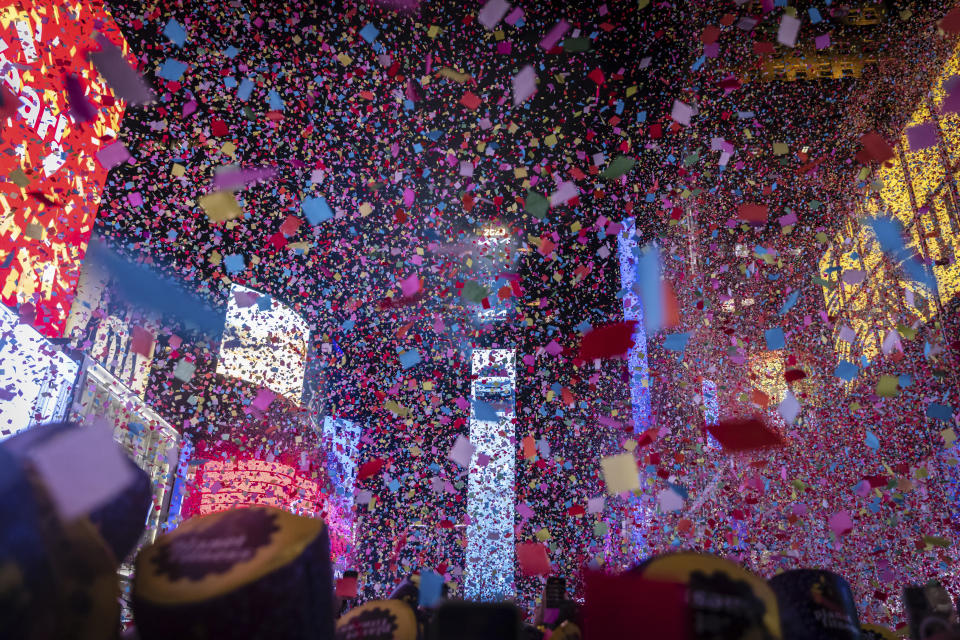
<point x="50" y="179"/>
<point x="264" y="343"/>
<point x="227" y="484"/>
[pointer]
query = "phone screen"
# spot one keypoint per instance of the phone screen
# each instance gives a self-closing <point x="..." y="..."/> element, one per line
<point x="476" y="621"/>
<point x="929" y="610"/>
<point x="555" y="592"/>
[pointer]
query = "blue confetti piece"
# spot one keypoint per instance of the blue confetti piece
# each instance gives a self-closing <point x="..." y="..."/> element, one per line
<point x="872" y="441"/>
<point x="246" y="86"/>
<point x="889" y="234"/>
<point x="651" y="288"/>
<point x="676" y="341"/>
<point x="369" y="33"/>
<point x="431" y="588"/>
<point x="231" y="52"/>
<point x="273" y="98"/>
<point x="789" y="302"/>
<point x="484" y="412"/>
<point x="316" y="210"/>
<point x="176" y="33"/>
<point x="846" y="370"/>
<point x="814" y="15"/>
<point x="410" y="358"/>
<point x="234" y="263"/>
<point x="939" y="412"/>
<point x="172" y="70"/>
<point x="775" y="339"/>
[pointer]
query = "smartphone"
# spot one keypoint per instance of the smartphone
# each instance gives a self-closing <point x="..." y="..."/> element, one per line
<point x="929" y="610"/>
<point x="555" y="592"/>
<point x="476" y="621"/>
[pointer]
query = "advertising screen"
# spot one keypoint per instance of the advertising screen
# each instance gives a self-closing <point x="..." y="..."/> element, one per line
<point x="36" y="380"/>
<point x="50" y="177"/>
<point x="264" y="343"/>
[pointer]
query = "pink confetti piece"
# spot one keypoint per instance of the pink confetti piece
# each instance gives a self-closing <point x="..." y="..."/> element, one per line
<point x="553" y="36"/>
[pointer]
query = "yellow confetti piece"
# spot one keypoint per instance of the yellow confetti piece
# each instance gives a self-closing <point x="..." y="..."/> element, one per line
<point x="457" y="76"/>
<point x="220" y="206"/>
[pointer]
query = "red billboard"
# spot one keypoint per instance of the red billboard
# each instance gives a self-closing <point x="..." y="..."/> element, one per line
<point x="50" y="177"/>
<point x="229" y="477"/>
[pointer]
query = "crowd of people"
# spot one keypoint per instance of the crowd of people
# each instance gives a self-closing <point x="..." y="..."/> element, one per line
<point x="261" y="572"/>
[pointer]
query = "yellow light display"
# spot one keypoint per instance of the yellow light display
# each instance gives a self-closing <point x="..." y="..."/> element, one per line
<point x="916" y="188"/>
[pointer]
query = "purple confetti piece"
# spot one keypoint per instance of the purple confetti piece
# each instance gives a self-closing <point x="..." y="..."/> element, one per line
<point x="565" y="191"/>
<point x="80" y="108"/>
<point x="121" y="77"/>
<point x="112" y="155"/>
<point x="239" y="178"/>
<point x="524" y="84"/>
<point x="492" y="13"/>
<point x="922" y="136"/>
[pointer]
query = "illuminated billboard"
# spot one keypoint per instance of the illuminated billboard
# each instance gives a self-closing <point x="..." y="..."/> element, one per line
<point x="488" y="574"/>
<point x="224" y="485"/>
<point x="36" y="380"/>
<point x="50" y="177"/>
<point x="264" y="343"/>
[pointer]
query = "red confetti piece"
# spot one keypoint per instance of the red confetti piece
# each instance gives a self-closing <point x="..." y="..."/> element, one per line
<point x="470" y="101"/>
<point x="876" y="148"/>
<point x="745" y="435"/>
<point x="533" y="559"/>
<point x="752" y="212"/>
<point x="370" y="468"/>
<point x="608" y="341"/>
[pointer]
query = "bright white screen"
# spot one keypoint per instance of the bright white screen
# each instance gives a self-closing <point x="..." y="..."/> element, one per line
<point x="35" y="378"/>
<point x="264" y="343"/>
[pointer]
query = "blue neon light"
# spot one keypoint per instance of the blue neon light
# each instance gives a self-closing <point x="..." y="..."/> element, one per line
<point x="179" y="484"/>
<point x="628" y="251"/>
<point x="711" y="409"/>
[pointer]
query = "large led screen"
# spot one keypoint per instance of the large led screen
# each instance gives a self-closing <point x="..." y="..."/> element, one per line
<point x="50" y="177"/>
<point x="264" y="343"/>
<point x="36" y="380"/>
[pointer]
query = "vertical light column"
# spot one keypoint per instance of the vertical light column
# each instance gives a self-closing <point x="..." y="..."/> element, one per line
<point x="342" y="439"/>
<point x="491" y="497"/>
<point x="628" y="251"/>
<point x="179" y="484"/>
<point x="711" y="409"/>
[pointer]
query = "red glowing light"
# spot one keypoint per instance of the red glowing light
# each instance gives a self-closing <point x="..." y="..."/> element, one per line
<point x="224" y="485"/>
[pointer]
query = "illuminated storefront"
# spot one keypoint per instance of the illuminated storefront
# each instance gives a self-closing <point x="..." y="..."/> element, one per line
<point x="119" y="337"/>
<point x="222" y="485"/>
<point x="148" y="439"/>
<point x="50" y="177"/>
<point x="36" y="379"/>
